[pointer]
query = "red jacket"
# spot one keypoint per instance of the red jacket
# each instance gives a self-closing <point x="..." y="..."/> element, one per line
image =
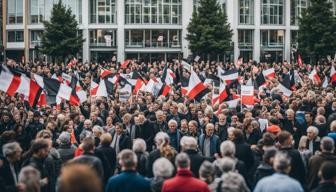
<point x="184" y="182"/>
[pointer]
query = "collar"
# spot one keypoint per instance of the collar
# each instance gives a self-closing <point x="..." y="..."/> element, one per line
<point x="184" y="173"/>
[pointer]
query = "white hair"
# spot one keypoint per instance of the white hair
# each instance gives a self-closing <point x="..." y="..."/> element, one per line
<point x="29" y="176"/>
<point x="139" y="145"/>
<point x="188" y="142"/>
<point x="172" y="121"/>
<point x="88" y="121"/>
<point x="281" y="161"/>
<point x="10" y="148"/>
<point x="98" y="128"/>
<point x="313" y="129"/>
<point x="228" y="148"/>
<point x="161" y="138"/>
<point x="162" y="167"/>
<point x="226" y="164"/>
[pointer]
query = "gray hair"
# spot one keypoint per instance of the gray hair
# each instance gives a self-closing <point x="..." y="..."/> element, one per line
<point x="182" y="160"/>
<point x="281" y="161"/>
<point x="10" y="148"/>
<point x="99" y="128"/>
<point x="188" y="142"/>
<point x="30" y="177"/>
<point x="85" y="134"/>
<point x="226" y="164"/>
<point x="161" y="138"/>
<point x="172" y="121"/>
<point x="127" y="159"/>
<point x="228" y="148"/>
<point x="327" y="144"/>
<point x="207" y="169"/>
<point x="162" y="167"/>
<point x="139" y="145"/>
<point x="313" y="129"/>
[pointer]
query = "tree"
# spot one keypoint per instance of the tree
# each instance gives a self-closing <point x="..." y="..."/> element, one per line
<point x="61" y="38"/>
<point x="209" y="32"/>
<point x="317" y="31"/>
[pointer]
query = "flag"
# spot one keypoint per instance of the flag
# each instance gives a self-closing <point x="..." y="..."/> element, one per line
<point x="196" y="89"/>
<point x="299" y="60"/>
<point x="105" y="73"/>
<point x="333" y="74"/>
<point x="72" y="63"/>
<point x="168" y="76"/>
<point x="239" y="62"/>
<point x="101" y="90"/>
<point x="138" y="84"/>
<point x="93" y="88"/>
<point x="325" y="82"/>
<point x="197" y="58"/>
<point x="165" y="89"/>
<point x="269" y="73"/>
<point x="247" y="95"/>
<point x="223" y="93"/>
<point x="9" y="82"/>
<point x="186" y="65"/>
<point x="315" y="77"/>
<point x="229" y="76"/>
<point x="232" y="103"/>
<point x="292" y="80"/>
<point x="286" y="92"/>
<point x="114" y="58"/>
<point x="124" y="65"/>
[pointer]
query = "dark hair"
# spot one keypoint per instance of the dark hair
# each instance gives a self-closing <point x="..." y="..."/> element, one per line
<point x="239" y="135"/>
<point x="283" y="136"/>
<point x="88" y="144"/>
<point x="39" y="144"/>
<point x="268" y="139"/>
<point x="328" y="171"/>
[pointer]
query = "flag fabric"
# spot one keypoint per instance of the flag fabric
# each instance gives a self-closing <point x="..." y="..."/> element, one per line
<point x="247" y="95"/>
<point x="333" y="74"/>
<point x="232" y="103"/>
<point x="101" y="90"/>
<point x="315" y="77"/>
<point x="196" y="89"/>
<point x="125" y="64"/>
<point x="239" y="62"/>
<point x="269" y="73"/>
<point x="299" y="60"/>
<point x="197" y="58"/>
<point x="325" y="82"/>
<point x="168" y="76"/>
<point x="9" y="82"/>
<point x="229" y="76"/>
<point x="72" y="63"/>
<point x="186" y="65"/>
<point x="93" y="88"/>
<point x="286" y="92"/>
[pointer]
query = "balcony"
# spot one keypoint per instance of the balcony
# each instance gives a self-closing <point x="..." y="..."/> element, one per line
<point x="102" y="45"/>
<point x="153" y="44"/>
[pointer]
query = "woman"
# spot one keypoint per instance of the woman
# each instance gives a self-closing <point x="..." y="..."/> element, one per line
<point x="139" y="148"/>
<point x="304" y="151"/>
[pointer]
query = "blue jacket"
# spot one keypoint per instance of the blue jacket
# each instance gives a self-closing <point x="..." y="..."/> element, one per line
<point x="214" y="144"/>
<point x="128" y="181"/>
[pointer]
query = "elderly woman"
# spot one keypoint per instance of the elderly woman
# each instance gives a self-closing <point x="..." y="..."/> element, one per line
<point x="139" y="148"/>
<point x="163" y="169"/>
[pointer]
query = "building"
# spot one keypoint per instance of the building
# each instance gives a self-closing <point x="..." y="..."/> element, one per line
<point x="152" y="29"/>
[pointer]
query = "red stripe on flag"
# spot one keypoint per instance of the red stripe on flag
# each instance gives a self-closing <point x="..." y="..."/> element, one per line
<point x="33" y="93"/>
<point x="14" y="85"/>
<point x="166" y="90"/>
<point x="196" y="90"/>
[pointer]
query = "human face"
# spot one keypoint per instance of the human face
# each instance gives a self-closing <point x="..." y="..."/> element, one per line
<point x="311" y="135"/>
<point x="118" y="129"/>
<point x="222" y="119"/>
<point x="184" y="126"/>
<point x="290" y="116"/>
<point x="209" y="131"/>
<point x="172" y="127"/>
<point x="231" y="136"/>
<point x="192" y="128"/>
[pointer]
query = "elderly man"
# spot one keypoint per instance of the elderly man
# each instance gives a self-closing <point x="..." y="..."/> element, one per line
<point x="313" y="142"/>
<point x="279" y="181"/>
<point x="209" y="142"/>
<point x="10" y="169"/>
<point x="174" y="134"/>
<point x="128" y="180"/>
<point x="189" y="146"/>
<point x="315" y="162"/>
<point x="183" y="181"/>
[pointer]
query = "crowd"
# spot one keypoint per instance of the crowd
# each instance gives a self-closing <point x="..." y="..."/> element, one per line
<point x="153" y="142"/>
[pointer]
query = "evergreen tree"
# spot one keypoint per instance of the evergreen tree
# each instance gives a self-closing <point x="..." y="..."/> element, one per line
<point x="317" y="31"/>
<point x="61" y="39"/>
<point x="209" y="32"/>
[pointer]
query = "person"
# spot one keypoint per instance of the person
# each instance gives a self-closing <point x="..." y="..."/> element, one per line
<point x="208" y="175"/>
<point x="327" y="174"/>
<point x="313" y="142"/>
<point x="128" y="180"/>
<point x="9" y="171"/>
<point x="279" y="181"/>
<point x="175" y="135"/>
<point x="184" y="181"/>
<point x="315" y="162"/>
<point x="139" y="148"/>
<point x="189" y="146"/>
<point x="108" y="152"/>
<point x="304" y="151"/>
<point x="297" y="170"/>
<point x="266" y="167"/>
<point x="243" y="150"/>
<point x="29" y="178"/>
<point x="120" y="139"/>
<point x="230" y="180"/>
<point x="163" y="169"/>
<point x="144" y="130"/>
<point x="163" y="150"/>
<point x="332" y="132"/>
<point x="78" y="177"/>
<point x="209" y="142"/>
<point x="88" y="157"/>
<point x="65" y="149"/>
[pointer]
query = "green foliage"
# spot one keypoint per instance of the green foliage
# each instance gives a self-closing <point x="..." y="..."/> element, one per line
<point x="317" y="32"/>
<point x="209" y="32"/>
<point x="61" y="39"/>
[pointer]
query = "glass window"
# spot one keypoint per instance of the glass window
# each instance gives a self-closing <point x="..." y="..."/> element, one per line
<point x="272" y="12"/>
<point x="14" y="11"/>
<point x="246" y="10"/>
<point x="153" y="11"/>
<point x="15" y="36"/>
<point x="102" y="11"/>
<point x="35" y="37"/>
<point x="272" y="38"/>
<point x="245" y="38"/>
<point x="102" y="38"/>
<point x="297" y="7"/>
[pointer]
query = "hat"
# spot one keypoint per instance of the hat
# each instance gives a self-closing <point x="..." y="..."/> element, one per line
<point x="64" y="138"/>
<point x="275" y="129"/>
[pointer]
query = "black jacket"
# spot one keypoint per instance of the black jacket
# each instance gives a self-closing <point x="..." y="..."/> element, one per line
<point x="110" y="156"/>
<point x="196" y="160"/>
<point x="245" y="154"/>
<point x="7" y="182"/>
<point x="297" y="171"/>
<point x="124" y="141"/>
<point x="146" y="132"/>
<point x="66" y="152"/>
<point x="329" y="186"/>
<point x="142" y="163"/>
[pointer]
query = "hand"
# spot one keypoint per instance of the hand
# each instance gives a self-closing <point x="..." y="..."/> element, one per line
<point x="21" y="187"/>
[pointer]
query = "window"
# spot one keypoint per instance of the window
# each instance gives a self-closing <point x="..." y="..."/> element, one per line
<point x="36" y="11"/>
<point x="102" y="38"/>
<point x="15" y="11"/>
<point x="35" y="37"/>
<point x="246" y="10"/>
<point x="153" y="11"/>
<point x="272" y="12"/>
<point x="76" y="8"/>
<point x="153" y="38"/>
<point x="15" y="36"/>
<point x="294" y="38"/>
<point x="272" y="38"/>
<point x="102" y="11"/>
<point x="297" y="7"/>
<point x="245" y="38"/>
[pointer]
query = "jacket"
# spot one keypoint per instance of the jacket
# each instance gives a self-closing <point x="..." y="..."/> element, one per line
<point x="325" y="187"/>
<point x="245" y="154"/>
<point x="6" y="177"/>
<point x="66" y="152"/>
<point x="146" y="132"/>
<point x="314" y="166"/>
<point x="278" y="183"/>
<point x="184" y="181"/>
<point x="128" y="181"/>
<point x="93" y="161"/>
<point x="214" y="144"/>
<point x="196" y="160"/>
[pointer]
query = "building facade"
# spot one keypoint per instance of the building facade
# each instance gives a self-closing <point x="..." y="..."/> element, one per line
<point x="153" y="29"/>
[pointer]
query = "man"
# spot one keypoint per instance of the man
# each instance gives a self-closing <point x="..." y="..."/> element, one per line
<point x="184" y="128"/>
<point x="313" y="142"/>
<point x="174" y="134"/>
<point x="279" y="181"/>
<point x="297" y="170"/>
<point x="314" y="164"/>
<point x="6" y="123"/>
<point x="290" y="124"/>
<point x="222" y="127"/>
<point x="144" y="130"/>
<point x="33" y="128"/>
<point x="160" y="123"/>
<point x="128" y="180"/>
<point x="209" y="142"/>
<point x="184" y="181"/>
<point x="10" y="169"/>
<point x="88" y="157"/>
<point x="328" y="178"/>
<point x="120" y="139"/>
<point x="189" y="146"/>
